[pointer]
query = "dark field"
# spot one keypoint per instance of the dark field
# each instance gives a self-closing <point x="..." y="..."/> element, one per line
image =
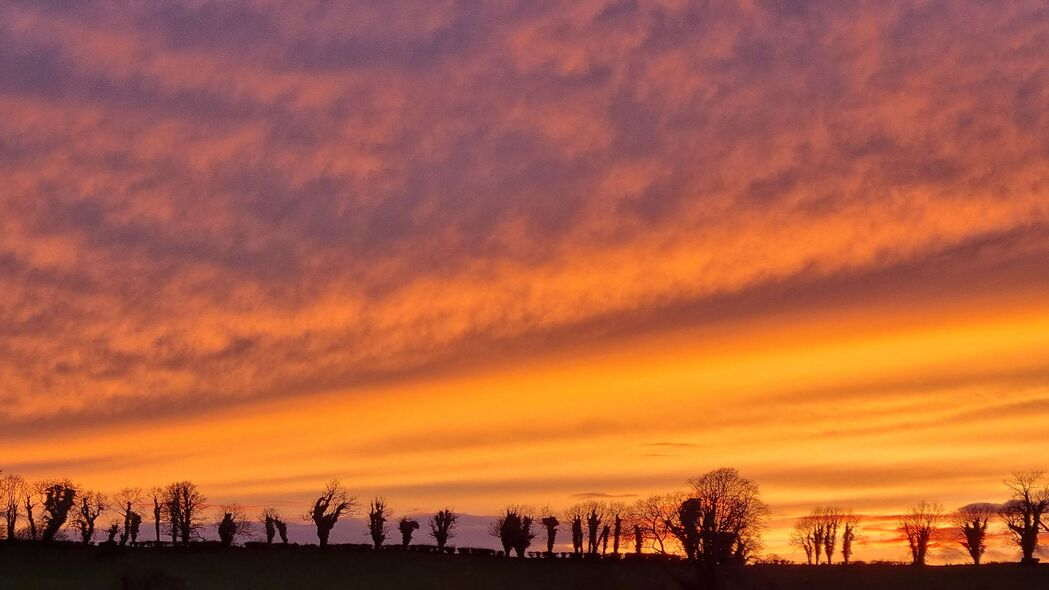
<point x="91" y="568"/>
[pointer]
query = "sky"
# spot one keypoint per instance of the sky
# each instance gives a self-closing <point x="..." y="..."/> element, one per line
<point x="471" y="253"/>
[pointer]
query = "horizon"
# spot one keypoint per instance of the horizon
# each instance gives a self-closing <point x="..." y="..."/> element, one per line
<point x="471" y="254"/>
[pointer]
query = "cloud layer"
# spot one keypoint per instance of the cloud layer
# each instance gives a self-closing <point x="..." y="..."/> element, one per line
<point x="211" y="207"/>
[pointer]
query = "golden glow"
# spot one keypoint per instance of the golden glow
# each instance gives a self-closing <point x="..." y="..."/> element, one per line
<point x="572" y="252"/>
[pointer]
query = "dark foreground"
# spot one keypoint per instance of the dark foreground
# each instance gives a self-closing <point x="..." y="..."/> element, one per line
<point x="257" y="569"/>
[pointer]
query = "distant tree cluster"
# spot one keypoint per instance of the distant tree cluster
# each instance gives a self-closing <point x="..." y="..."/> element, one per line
<point x="1023" y="515"/>
<point x="716" y="522"/>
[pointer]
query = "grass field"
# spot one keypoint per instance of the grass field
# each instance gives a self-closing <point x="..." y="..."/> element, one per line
<point x="93" y="568"/>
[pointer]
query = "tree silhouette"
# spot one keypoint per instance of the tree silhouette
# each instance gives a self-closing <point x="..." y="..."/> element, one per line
<point x="805" y="537"/>
<point x="919" y="526"/>
<point x="513" y="528"/>
<point x="59" y="496"/>
<point x="234" y="524"/>
<point x="442" y="524"/>
<point x="639" y="539"/>
<point x="657" y="518"/>
<point x="184" y="502"/>
<point x="282" y="528"/>
<point x="551" y="524"/>
<point x="595" y="515"/>
<point x="378" y="514"/>
<point x="1024" y="510"/>
<point x="29" y="492"/>
<point x="817" y="533"/>
<point x="157" y="495"/>
<point x="617" y="510"/>
<point x="606" y="531"/>
<point x="111" y="532"/>
<point x="971" y="522"/>
<point x="89" y="506"/>
<point x="334" y="502"/>
<point x="848" y="535"/>
<point x="575" y="514"/>
<point x="269" y="518"/>
<point x="407" y="527"/>
<point x="11" y="490"/>
<point x="127" y="499"/>
<point x="728" y="522"/>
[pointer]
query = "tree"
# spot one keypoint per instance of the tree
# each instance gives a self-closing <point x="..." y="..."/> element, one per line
<point x="111" y="532"/>
<point x="29" y="496"/>
<point x="724" y="517"/>
<point x="234" y="524"/>
<point x="157" y="495"/>
<point x="269" y="518"/>
<point x="1024" y="510"/>
<point x="656" y="516"/>
<point x="90" y="505"/>
<point x="817" y="533"/>
<point x="595" y="515"/>
<point x="848" y="535"/>
<point x="971" y="523"/>
<point x="12" y="487"/>
<point x="732" y="516"/>
<point x="127" y="499"/>
<point x="442" y="524"/>
<point x="617" y="510"/>
<point x="282" y="528"/>
<point x="184" y="503"/>
<point x="378" y="514"/>
<point x="59" y="496"/>
<point x="919" y="526"/>
<point x="513" y="528"/>
<point x="804" y="538"/>
<point x="334" y="502"/>
<point x="550" y="523"/>
<point x="575" y="514"/>
<point x="407" y="526"/>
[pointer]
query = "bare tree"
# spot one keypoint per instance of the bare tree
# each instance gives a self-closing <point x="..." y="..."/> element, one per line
<point x="513" y="528"/>
<point x="656" y="516"/>
<point x="971" y="522"/>
<point x="233" y="524"/>
<point x="378" y="513"/>
<point x="127" y="500"/>
<point x="90" y="505"/>
<point x="617" y="510"/>
<point x="919" y="526"/>
<point x="575" y="514"/>
<point x="804" y="537"/>
<point x="1024" y="510"/>
<point x="334" y="502"/>
<point x="833" y="517"/>
<point x="596" y="512"/>
<point x="732" y="516"/>
<point x="407" y="526"/>
<point x="11" y="491"/>
<point x="268" y="518"/>
<point x="848" y="535"/>
<point x="29" y="502"/>
<point x="157" y="495"/>
<point x="184" y="503"/>
<point x="59" y="496"/>
<point x="442" y="525"/>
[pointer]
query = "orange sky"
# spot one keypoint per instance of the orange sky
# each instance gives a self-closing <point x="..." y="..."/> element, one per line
<point x="474" y="254"/>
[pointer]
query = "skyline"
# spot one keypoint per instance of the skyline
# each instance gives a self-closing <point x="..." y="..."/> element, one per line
<point x="475" y="253"/>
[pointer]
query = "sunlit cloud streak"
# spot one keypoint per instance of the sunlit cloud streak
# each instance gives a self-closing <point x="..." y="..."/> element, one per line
<point x="246" y="209"/>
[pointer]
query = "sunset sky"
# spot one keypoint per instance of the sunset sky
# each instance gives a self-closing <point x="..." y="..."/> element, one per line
<point x="471" y="253"/>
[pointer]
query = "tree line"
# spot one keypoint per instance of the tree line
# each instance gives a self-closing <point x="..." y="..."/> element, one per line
<point x="716" y="522"/>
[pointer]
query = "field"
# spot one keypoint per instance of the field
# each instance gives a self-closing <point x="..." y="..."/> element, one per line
<point x="260" y="569"/>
